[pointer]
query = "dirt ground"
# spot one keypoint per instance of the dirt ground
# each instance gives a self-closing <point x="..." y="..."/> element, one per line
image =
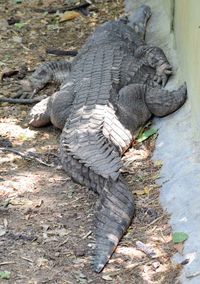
<point x="45" y="218"/>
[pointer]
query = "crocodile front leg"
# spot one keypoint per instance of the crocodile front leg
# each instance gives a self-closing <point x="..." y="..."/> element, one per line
<point x="155" y="58"/>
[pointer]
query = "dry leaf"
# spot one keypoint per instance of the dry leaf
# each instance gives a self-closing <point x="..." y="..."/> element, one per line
<point x="68" y="16"/>
<point x="144" y="191"/>
<point x="158" y="163"/>
<point x="107" y="278"/>
<point x="179" y="247"/>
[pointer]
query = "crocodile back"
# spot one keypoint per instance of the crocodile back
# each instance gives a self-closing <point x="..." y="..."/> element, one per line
<point x="96" y="78"/>
<point x="82" y="134"/>
<point x="87" y="150"/>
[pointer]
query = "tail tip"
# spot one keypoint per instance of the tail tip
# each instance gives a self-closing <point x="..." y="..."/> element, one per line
<point x="98" y="267"/>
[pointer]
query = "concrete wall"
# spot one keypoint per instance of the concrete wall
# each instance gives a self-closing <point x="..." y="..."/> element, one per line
<point x="184" y="19"/>
<point x="169" y="9"/>
<point x="187" y="35"/>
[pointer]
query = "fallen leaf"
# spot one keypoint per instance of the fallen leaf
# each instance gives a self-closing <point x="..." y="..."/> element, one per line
<point x="158" y="163"/>
<point x="179" y="237"/>
<point x="156" y="176"/>
<point x="146" y="190"/>
<point x="4" y="275"/>
<point x="146" y="134"/>
<point x="19" y="25"/>
<point x="23" y="137"/>
<point x="141" y="192"/>
<point x="179" y="247"/>
<point x="69" y="15"/>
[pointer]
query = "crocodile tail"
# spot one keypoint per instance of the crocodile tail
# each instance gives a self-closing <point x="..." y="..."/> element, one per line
<point x="114" y="214"/>
<point x="115" y="208"/>
<point x="92" y="160"/>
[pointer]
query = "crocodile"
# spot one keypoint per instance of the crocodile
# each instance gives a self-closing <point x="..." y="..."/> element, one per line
<point x="112" y="87"/>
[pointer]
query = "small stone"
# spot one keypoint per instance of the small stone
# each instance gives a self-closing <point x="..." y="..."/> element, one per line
<point x="156" y="265"/>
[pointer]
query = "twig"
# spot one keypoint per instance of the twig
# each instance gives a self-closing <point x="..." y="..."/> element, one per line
<point x="7" y="262"/>
<point x="61" y="9"/>
<point x="28" y="156"/>
<point x="134" y="265"/>
<point x="154" y="221"/>
<point x="21" y="101"/>
<point x="63" y="243"/>
<point x="27" y="259"/>
<point x="59" y="52"/>
<point x="195" y="274"/>
<point x="87" y="235"/>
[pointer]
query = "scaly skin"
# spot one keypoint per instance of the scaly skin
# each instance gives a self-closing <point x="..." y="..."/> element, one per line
<point x="111" y="90"/>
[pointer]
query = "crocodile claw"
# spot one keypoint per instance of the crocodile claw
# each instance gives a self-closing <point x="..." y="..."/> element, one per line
<point x="162" y="73"/>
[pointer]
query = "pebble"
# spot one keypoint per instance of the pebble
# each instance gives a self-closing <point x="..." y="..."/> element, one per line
<point x="156" y="265"/>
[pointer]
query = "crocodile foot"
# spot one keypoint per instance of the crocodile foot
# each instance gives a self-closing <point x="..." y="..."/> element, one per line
<point x="162" y="73"/>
